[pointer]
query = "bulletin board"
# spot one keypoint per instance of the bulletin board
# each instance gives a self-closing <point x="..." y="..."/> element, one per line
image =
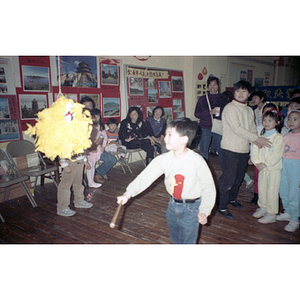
<point x="97" y="78"/>
<point x="150" y="87"/>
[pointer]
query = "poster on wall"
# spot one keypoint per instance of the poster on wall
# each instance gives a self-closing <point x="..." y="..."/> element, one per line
<point x="241" y="72"/>
<point x="35" y="79"/>
<point x="30" y="105"/>
<point x="111" y="107"/>
<point x="147" y="88"/>
<point x="281" y="95"/>
<point x="78" y="71"/>
<point x="9" y="119"/>
<point x="7" y="85"/>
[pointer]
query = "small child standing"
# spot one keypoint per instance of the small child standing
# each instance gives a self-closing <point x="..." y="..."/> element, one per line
<point x="71" y="177"/>
<point x="113" y="141"/>
<point x="188" y="181"/>
<point x="268" y="162"/>
<point x="266" y="107"/>
<point x="99" y="139"/>
<point x="290" y="177"/>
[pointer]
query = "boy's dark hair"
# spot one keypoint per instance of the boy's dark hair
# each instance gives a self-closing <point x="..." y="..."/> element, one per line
<point x="185" y="127"/>
<point x="228" y="95"/>
<point x="297" y="100"/>
<point x="244" y="85"/>
<point x="260" y="94"/>
<point x="295" y="91"/>
<point x="158" y="107"/>
<point x="112" y="121"/>
<point x="87" y="99"/>
<point x="137" y="109"/>
<point x="212" y="78"/>
<point x="97" y="112"/>
<point x="277" y="116"/>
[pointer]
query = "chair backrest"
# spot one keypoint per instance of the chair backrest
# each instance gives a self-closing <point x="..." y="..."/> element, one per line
<point x="20" y="148"/>
<point x="6" y="164"/>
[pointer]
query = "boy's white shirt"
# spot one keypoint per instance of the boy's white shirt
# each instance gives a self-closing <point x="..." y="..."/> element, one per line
<point x="198" y="180"/>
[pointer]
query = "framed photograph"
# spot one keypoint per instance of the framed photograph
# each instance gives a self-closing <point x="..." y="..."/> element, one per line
<point x="69" y="96"/>
<point x="179" y="114"/>
<point x="94" y="97"/>
<point x="135" y="86"/>
<point x="109" y="74"/>
<point x="168" y="114"/>
<point x="30" y="105"/>
<point x="36" y="78"/>
<point x="111" y="107"/>
<point x="78" y="71"/>
<point x="177" y="84"/>
<point x="177" y="105"/>
<point x="153" y="95"/>
<point x="149" y="83"/>
<point x="9" y="130"/>
<point x="149" y="111"/>
<point x="164" y="89"/>
<point x="4" y="109"/>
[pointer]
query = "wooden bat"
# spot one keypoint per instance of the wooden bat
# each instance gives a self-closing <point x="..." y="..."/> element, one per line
<point x="114" y="219"/>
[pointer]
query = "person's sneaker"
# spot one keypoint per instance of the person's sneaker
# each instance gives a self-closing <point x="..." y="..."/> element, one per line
<point x="83" y="204"/>
<point x="292" y="226"/>
<point x="267" y="218"/>
<point x="226" y="214"/>
<point x="121" y="161"/>
<point x="283" y="217"/>
<point x="95" y="185"/>
<point x="236" y="204"/>
<point x="66" y="212"/>
<point x="260" y="212"/>
<point x="249" y="184"/>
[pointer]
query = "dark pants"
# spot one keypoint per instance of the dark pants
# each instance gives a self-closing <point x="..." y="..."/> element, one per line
<point x="233" y="172"/>
<point x="205" y="140"/>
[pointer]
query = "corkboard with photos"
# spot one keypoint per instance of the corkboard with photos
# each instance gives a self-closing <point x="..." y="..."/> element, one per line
<point x="150" y="87"/>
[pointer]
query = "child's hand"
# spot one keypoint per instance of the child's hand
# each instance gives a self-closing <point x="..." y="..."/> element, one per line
<point x="202" y="218"/>
<point x="87" y="165"/>
<point x="123" y="199"/>
<point x="67" y="169"/>
<point x="250" y="162"/>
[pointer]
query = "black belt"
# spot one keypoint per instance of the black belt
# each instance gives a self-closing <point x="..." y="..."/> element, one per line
<point x="185" y="200"/>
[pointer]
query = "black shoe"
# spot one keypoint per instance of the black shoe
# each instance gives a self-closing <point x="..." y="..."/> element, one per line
<point x="226" y="214"/>
<point x="254" y="199"/>
<point x="236" y="204"/>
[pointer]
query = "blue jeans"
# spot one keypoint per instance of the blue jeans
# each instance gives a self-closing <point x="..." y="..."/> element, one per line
<point x="108" y="160"/>
<point x="182" y="219"/>
<point x="205" y="140"/>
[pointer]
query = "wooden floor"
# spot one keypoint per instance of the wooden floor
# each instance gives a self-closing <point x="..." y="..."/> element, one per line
<point x="142" y="221"/>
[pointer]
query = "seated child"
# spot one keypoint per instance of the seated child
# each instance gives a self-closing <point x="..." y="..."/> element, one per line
<point x="113" y="141"/>
<point x="188" y="182"/>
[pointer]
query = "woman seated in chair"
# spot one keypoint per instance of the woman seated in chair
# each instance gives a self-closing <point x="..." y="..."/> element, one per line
<point x="157" y="127"/>
<point x="134" y="134"/>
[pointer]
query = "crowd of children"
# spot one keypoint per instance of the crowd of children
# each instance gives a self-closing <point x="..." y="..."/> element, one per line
<point x="274" y="153"/>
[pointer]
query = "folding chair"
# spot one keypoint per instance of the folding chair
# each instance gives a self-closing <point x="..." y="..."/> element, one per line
<point x="128" y="156"/>
<point x="35" y="165"/>
<point x="10" y="176"/>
